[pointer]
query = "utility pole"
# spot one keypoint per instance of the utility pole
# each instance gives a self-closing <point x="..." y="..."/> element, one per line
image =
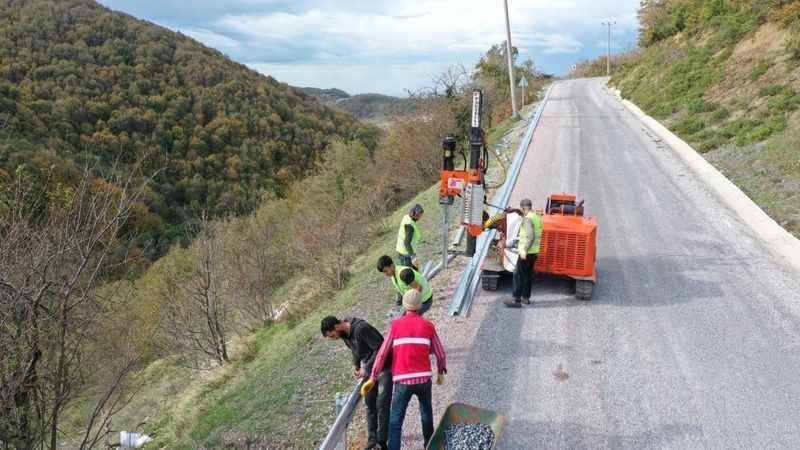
<point x="609" y="24"/>
<point x="510" y="63"/>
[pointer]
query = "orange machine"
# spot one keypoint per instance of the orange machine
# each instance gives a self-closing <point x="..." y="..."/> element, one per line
<point x="469" y="184"/>
<point x="568" y="246"/>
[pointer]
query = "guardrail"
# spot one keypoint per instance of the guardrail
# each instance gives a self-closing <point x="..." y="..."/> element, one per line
<point x="462" y="299"/>
<point x="337" y="434"/>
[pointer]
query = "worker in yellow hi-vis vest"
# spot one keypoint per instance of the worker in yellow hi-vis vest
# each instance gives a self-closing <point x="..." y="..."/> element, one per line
<point x="408" y="237"/>
<point x="405" y="278"/>
<point x="528" y="245"/>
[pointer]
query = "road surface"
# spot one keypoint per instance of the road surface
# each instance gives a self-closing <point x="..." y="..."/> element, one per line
<point x="692" y="339"/>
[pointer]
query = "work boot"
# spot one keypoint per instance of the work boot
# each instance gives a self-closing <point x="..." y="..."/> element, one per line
<point x="512" y="303"/>
<point x="526" y="301"/>
<point x="371" y="445"/>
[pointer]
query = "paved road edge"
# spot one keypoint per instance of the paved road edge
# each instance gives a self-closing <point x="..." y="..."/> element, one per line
<point x="780" y="242"/>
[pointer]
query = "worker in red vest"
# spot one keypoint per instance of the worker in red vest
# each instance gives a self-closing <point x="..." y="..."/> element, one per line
<point x="410" y="340"/>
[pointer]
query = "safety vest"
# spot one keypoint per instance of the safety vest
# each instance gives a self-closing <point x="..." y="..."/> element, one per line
<point x="535" y="244"/>
<point x="401" y="236"/>
<point x="402" y="288"/>
<point x="411" y="347"/>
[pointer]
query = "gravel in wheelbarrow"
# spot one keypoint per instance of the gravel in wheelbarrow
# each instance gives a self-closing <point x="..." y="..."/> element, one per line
<point x="468" y="436"/>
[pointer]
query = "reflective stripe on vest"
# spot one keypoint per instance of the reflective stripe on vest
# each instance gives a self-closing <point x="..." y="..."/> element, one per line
<point x="536" y="221"/>
<point x="406" y="376"/>
<point x="411" y="340"/>
<point x="401" y="236"/>
<point x="402" y="288"/>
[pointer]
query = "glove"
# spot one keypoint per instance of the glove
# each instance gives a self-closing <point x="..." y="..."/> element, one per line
<point x="367" y="386"/>
<point x="415" y="261"/>
<point x="523" y="254"/>
<point x="440" y="379"/>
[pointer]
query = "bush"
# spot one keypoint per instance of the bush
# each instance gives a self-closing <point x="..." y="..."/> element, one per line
<point x="787" y="15"/>
<point x="689" y="125"/>
<point x="720" y="114"/>
<point x="786" y="102"/>
<point x="769" y="91"/>
<point x="757" y="134"/>
<point x="738" y="128"/>
<point x="760" y="69"/>
<point x="710" y="140"/>
<point x="699" y="105"/>
<point x="793" y="49"/>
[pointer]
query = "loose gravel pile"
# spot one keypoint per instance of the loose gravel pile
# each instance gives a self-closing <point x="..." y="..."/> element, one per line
<point x="473" y="436"/>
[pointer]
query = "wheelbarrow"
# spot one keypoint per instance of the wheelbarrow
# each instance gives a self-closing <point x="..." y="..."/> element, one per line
<point x="461" y="413"/>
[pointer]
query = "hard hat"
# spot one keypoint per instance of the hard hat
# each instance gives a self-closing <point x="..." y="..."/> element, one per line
<point x="525" y="203"/>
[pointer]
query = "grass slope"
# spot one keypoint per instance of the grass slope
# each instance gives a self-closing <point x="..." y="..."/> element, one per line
<point x="732" y="90"/>
<point x="278" y="393"/>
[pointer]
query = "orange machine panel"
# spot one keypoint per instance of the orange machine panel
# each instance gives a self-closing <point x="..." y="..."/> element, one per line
<point x="568" y="246"/>
<point x="452" y="182"/>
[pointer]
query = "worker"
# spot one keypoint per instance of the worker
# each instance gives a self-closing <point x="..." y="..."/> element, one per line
<point x="364" y="341"/>
<point x="408" y="236"/>
<point x="405" y="278"/>
<point x="409" y="342"/>
<point x="528" y="244"/>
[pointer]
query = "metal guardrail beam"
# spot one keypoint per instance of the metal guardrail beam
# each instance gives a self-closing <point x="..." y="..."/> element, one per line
<point x="462" y="299"/>
<point x="336" y="432"/>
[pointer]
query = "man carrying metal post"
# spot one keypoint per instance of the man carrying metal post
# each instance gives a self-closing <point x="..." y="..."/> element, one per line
<point x="364" y="341"/>
<point x="528" y="245"/>
<point x="409" y="342"/>
<point x="408" y="236"/>
<point x="405" y="278"/>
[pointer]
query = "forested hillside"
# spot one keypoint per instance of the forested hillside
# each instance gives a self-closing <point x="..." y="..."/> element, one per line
<point x="81" y="86"/>
<point x="725" y="76"/>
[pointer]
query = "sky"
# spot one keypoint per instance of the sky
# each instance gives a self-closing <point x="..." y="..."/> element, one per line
<point x="389" y="46"/>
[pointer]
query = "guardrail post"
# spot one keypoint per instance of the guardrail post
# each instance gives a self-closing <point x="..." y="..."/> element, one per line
<point x="445" y="233"/>
<point x="341" y="402"/>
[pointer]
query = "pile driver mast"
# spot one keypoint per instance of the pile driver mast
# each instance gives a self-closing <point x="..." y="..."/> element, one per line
<point x="468" y="183"/>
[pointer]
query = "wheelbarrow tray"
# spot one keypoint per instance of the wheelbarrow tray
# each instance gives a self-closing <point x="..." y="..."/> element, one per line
<point x="461" y="413"/>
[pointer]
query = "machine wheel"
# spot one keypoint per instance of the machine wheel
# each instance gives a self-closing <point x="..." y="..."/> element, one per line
<point x="583" y="289"/>
<point x="489" y="281"/>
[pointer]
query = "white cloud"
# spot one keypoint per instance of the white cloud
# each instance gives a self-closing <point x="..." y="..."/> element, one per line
<point x="555" y="44"/>
<point x="391" y="79"/>
<point x="211" y="39"/>
<point x="389" y="45"/>
<point x="429" y="28"/>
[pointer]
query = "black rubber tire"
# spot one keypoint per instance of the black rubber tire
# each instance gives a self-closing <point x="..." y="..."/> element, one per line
<point x="583" y="289"/>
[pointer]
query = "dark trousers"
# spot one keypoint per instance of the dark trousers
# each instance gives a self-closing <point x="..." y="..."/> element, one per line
<point x="402" y="396"/>
<point x="523" y="276"/>
<point x="406" y="260"/>
<point x="378" y="401"/>
<point x="426" y="305"/>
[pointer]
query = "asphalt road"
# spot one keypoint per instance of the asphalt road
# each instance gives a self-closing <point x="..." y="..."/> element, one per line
<point x="692" y="339"/>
